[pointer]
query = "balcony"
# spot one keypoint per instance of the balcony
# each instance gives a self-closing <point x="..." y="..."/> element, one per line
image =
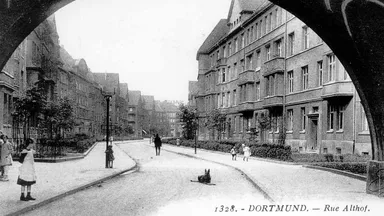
<point x="247" y="76"/>
<point x="245" y="106"/>
<point x="272" y="66"/>
<point x="6" y="80"/>
<point x="221" y="62"/>
<point x="337" y="89"/>
<point x="273" y="101"/>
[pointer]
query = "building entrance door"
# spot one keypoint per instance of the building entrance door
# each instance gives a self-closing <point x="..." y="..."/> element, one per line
<point x="313" y="134"/>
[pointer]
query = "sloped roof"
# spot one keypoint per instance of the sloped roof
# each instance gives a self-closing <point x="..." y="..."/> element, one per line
<point x="247" y="5"/>
<point x="66" y="58"/>
<point x="158" y="107"/>
<point x="124" y="90"/>
<point x="220" y="30"/>
<point x="251" y="5"/>
<point x="134" y="97"/>
<point x="109" y="81"/>
<point x="168" y="106"/>
<point x="149" y="101"/>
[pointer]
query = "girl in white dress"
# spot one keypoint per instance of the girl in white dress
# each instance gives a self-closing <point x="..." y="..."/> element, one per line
<point x="247" y="152"/>
<point x="27" y="174"/>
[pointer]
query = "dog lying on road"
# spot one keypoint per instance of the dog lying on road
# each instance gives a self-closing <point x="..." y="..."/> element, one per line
<point x="205" y="179"/>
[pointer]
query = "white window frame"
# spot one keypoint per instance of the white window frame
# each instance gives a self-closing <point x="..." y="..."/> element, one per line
<point x="291" y="44"/>
<point x="331" y="67"/>
<point x="320" y="73"/>
<point x="340" y="118"/>
<point x="305" y="38"/>
<point x="290" y="81"/>
<point x="258" y="91"/>
<point x="304" y="78"/>
<point x="303" y="119"/>
<point x="290" y="120"/>
<point x="332" y="112"/>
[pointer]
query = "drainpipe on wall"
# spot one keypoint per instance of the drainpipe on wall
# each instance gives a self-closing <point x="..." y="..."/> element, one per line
<point x="354" y="121"/>
<point x="285" y="77"/>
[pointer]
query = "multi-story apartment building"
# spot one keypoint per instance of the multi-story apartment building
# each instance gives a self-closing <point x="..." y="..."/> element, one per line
<point x="192" y="93"/>
<point x="166" y="115"/>
<point x="161" y="124"/>
<point x="122" y="110"/>
<point x="75" y="81"/>
<point x="111" y="85"/>
<point x="264" y="64"/>
<point x="134" y="112"/>
<point x="149" y="110"/>
<point x="40" y="59"/>
<point x="13" y="83"/>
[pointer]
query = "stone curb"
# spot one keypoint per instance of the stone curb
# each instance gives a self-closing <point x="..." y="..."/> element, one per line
<point x="90" y="149"/>
<point x="335" y="171"/>
<point x="75" y="190"/>
<point x="70" y="192"/>
<point x="265" y="194"/>
<point x="339" y="172"/>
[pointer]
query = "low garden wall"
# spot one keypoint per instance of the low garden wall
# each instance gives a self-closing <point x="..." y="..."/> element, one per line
<point x="265" y="150"/>
<point x="347" y="162"/>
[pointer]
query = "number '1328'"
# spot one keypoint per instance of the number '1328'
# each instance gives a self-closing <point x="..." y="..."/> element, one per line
<point x="223" y="208"/>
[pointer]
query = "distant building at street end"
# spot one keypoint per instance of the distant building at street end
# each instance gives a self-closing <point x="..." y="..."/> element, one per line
<point x="168" y="117"/>
<point x="148" y="102"/>
<point x="135" y="117"/>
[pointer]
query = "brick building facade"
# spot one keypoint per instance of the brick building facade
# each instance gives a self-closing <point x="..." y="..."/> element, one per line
<point x="262" y="63"/>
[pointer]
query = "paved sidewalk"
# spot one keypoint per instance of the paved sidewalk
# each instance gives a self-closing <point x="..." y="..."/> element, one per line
<point x="291" y="183"/>
<point x="55" y="179"/>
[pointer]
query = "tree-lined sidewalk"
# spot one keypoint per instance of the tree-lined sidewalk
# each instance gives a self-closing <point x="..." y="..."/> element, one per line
<point x="55" y="179"/>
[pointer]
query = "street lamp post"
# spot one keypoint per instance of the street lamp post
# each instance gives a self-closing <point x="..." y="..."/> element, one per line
<point x="195" y="141"/>
<point x="108" y="98"/>
<point x="150" y="124"/>
<point x="196" y="129"/>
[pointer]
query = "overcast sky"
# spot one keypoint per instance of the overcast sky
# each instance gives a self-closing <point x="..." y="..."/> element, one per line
<point x="152" y="44"/>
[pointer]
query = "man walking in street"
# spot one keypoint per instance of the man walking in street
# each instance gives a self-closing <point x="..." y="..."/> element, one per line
<point x="157" y="142"/>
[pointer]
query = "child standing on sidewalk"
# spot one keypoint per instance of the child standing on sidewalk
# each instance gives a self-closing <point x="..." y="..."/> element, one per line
<point x="27" y="174"/>
<point x="233" y="153"/>
<point x="110" y="156"/>
<point x="6" y="157"/>
<point x="247" y="152"/>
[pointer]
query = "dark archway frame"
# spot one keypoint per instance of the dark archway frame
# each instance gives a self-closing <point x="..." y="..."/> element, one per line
<point x="353" y="29"/>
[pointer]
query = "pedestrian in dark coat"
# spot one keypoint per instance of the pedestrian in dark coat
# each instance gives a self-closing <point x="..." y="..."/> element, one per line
<point x="110" y="156"/>
<point x="6" y="157"/>
<point x="157" y="144"/>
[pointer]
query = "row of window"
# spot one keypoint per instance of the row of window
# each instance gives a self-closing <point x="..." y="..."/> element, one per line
<point x="253" y="60"/>
<point x="80" y="86"/>
<point x="252" y="33"/>
<point x="335" y="120"/>
<point x="332" y="74"/>
<point x="229" y="99"/>
<point x="251" y="92"/>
